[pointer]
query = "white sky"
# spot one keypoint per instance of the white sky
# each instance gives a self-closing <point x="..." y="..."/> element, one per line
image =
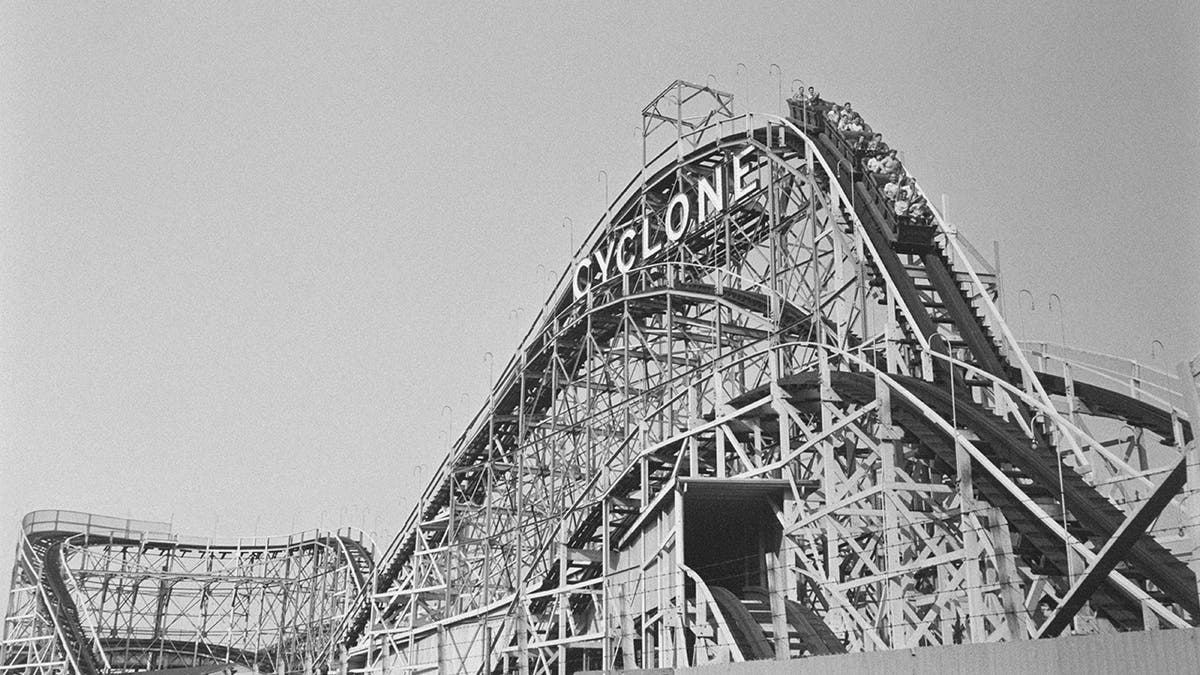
<point x="248" y="252"/>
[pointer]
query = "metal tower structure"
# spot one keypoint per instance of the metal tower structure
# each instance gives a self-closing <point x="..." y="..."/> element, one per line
<point x="760" y="416"/>
<point x="92" y="594"/>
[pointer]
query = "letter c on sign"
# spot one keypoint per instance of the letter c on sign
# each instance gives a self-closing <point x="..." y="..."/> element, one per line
<point x="673" y="232"/>
<point x="624" y="264"/>
<point x="583" y="265"/>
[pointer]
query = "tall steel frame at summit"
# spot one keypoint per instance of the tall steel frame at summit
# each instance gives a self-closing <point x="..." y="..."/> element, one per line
<point x="802" y="355"/>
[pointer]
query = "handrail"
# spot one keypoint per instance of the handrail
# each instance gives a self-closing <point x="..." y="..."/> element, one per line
<point x="1046" y="346"/>
<point x="92" y="527"/>
<point x="59" y="520"/>
<point x="1138" y="376"/>
<point x="1077" y="433"/>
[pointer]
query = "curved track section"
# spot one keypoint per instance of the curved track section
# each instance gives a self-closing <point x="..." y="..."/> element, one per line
<point x="747" y="633"/>
<point x="109" y="595"/>
<point x="808" y="635"/>
<point x="63" y="606"/>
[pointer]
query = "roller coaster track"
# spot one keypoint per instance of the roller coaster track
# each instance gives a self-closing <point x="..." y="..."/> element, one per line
<point x="749" y="617"/>
<point x="597" y="324"/>
<point x="523" y="543"/>
<point x="89" y="646"/>
<point x="791" y="425"/>
<point x="516" y="532"/>
<point x="67" y="614"/>
<point x="1006" y="444"/>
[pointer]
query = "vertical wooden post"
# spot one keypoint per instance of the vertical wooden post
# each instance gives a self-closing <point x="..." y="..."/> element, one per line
<point x="561" y="599"/>
<point x="606" y="619"/>
<point x="1189" y="376"/>
<point x="969" y="523"/>
<point x="896" y="627"/>
<point x="681" y="622"/>
<point x="1011" y="597"/>
<point x="777" y="593"/>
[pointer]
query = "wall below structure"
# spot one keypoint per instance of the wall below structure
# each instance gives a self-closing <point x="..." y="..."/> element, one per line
<point x="1162" y="652"/>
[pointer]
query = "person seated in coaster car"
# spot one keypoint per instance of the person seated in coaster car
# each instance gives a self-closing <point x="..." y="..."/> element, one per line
<point x="876" y="146"/>
<point x="833" y="114"/>
<point x="891" y="189"/>
<point x="919" y="213"/>
<point x="900" y="208"/>
<point x="850" y="125"/>
<point x="874" y="165"/>
<point x="890" y="167"/>
<point x="815" y="105"/>
<point x="845" y="114"/>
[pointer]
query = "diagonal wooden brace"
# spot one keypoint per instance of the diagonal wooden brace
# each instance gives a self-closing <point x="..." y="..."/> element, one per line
<point x="1114" y="550"/>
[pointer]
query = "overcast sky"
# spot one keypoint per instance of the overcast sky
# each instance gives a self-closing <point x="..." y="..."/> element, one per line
<point x="248" y="252"/>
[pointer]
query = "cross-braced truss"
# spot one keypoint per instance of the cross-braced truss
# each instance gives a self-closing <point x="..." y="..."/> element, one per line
<point x="761" y="416"/>
<point x="92" y="594"/>
<point x="781" y="423"/>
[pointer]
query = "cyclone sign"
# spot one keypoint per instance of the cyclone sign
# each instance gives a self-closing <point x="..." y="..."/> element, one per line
<point x="635" y="244"/>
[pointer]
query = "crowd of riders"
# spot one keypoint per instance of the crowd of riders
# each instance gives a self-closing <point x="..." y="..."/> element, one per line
<point x="880" y="161"/>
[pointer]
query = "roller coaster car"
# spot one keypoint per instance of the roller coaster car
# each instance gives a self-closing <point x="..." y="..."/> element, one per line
<point x="915" y="238"/>
<point x="806" y="116"/>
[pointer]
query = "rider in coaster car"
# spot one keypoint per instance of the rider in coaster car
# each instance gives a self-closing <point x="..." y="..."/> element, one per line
<point x="876" y="146"/>
<point x="848" y="124"/>
<point x="891" y="165"/>
<point x="891" y="189"/>
<point x="901" y="207"/>
<point x="833" y="114"/>
<point x="919" y="212"/>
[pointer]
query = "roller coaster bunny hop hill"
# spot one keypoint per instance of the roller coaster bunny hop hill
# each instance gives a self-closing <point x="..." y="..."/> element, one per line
<point x="772" y="410"/>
